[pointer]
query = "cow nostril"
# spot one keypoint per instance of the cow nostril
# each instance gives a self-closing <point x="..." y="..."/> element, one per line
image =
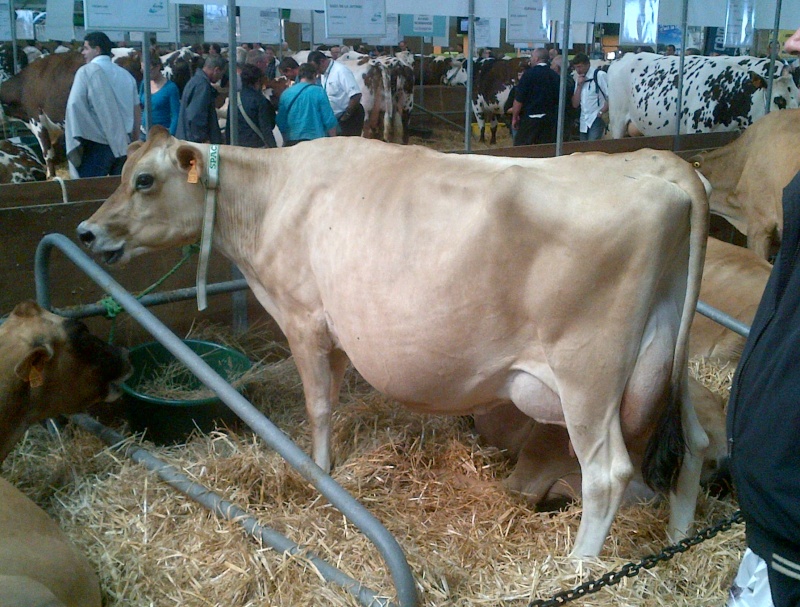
<point x="85" y="236"/>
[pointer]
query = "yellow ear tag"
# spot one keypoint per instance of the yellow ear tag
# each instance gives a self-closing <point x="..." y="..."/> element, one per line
<point x="193" y="177"/>
<point x="35" y="378"/>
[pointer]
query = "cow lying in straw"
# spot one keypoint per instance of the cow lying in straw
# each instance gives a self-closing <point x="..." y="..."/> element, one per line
<point x="48" y="366"/>
<point x="455" y="285"/>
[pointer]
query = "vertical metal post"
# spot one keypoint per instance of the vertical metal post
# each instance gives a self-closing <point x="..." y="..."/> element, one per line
<point x="239" y="298"/>
<point x="562" y="86"/>
<point x="148" y="104"/>
<point x="681" y="61"/>
<point x="177" y="26"/>
<point x="13" y="16"/>
<point x="470" y="70"/>
<point x="773" y="53"/>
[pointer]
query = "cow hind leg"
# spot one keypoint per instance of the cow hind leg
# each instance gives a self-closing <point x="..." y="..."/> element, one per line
<point x="683" y="497"/>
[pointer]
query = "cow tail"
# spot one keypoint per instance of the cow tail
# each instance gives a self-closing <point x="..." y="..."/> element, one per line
<point x="666" y="448"/>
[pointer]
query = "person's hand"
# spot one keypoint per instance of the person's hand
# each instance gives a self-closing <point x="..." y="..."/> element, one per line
<point x="580" y="79"/>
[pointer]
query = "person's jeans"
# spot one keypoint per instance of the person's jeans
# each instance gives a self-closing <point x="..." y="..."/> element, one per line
<point x="97" y="160"/>
<point x="596" y="131"/>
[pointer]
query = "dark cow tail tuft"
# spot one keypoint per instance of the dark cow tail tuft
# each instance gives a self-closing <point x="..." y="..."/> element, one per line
<point x="666" y="448"/>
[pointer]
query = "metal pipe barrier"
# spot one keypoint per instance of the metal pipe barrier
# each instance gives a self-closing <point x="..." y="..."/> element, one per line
<point x="386" y="544"/>
<point x="223" y="508"/>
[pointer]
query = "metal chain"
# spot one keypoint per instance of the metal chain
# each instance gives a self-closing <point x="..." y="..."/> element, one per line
<point x="631" y="569"/>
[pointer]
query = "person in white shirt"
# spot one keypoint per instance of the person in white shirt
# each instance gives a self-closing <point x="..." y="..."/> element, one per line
<point x="103" y="112"/>
<point x="343" y="93"/>
<point x="591" y="95"/>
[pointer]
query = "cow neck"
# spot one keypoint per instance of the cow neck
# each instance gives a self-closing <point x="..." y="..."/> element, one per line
<point x="211" y="181"/>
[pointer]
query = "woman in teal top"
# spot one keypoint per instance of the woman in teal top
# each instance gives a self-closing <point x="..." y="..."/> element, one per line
<point x="165" y="100"/>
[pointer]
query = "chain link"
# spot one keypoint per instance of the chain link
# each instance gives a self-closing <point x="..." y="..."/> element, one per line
<point x="632" y="569"/>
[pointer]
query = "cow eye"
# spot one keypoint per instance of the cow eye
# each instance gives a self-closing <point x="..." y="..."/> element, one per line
<point x="144" y="181"/>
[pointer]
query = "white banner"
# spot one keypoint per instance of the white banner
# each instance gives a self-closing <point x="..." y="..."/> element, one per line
<point x="148" y="16"/>
<point x="215" y="23"/>
<point x="392" y="36"/>
<point x="318" y="26"/>
<point x="260" y="25"/>
<point x="526" y="22"/>
<point x="487" y="33"/>
<point x="355" y="19"/>
<point x="59" y="20"/>
<point x="25" y="25"/>
<point x="5" y="21"/>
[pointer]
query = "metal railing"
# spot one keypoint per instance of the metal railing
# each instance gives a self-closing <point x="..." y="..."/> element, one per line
<point x="386" y="544"/>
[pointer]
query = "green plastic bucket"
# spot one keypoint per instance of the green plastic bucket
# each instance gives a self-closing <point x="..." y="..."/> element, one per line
<point x="172" y="421"/>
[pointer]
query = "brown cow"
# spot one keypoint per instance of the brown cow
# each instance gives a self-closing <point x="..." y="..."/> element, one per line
<point x="38" y="95"/>
<point x="547" y="472"/>
<point x="48" y="366"/>
<point x="748" y="176"/>
<point x="734" y="279"/>
<point x="494" y="84"/>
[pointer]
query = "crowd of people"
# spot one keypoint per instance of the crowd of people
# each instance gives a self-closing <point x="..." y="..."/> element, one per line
<point x="104" y="110"/>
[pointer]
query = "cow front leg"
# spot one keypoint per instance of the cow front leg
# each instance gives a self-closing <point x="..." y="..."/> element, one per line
<point x="607" y="469"/>
<point x="322" y="374"/>
<point x="493" y="140"/>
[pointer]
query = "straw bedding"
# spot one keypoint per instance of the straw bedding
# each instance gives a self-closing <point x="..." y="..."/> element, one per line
<point x="427" y="479"/>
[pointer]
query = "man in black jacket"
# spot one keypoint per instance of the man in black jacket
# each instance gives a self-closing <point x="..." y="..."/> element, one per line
<point x="764" y="413"/>
<point x="197" y="120"/>
<point x="534" y="115"/>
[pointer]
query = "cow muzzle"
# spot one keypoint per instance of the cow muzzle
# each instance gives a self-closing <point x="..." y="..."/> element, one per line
<point x="98" y="243"/>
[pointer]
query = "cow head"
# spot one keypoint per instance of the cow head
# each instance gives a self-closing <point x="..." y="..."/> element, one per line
<point x="50" y="366"/>
<point x="158" y="204"/>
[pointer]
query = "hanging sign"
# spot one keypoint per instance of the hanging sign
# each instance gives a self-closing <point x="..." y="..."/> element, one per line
<point x="355" y="18"/>
<point x="739" y="23"/>
<point x="639" y="23"/>
<point x="5" y="21"/>
<point x="215" y="23"/>
<point x="526" y="21"/>
<point x="260" y="24"/>
<point x="149" y="16"/>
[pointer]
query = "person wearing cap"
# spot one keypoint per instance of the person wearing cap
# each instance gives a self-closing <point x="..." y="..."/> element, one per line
<point x="340" y="85"/>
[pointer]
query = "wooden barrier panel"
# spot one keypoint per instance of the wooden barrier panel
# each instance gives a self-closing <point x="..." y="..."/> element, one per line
<point x="31" y="210"/>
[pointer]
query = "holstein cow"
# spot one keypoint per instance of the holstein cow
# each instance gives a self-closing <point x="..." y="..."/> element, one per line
<point x="19" y="163"/>
<point x="547" y="472"/>
<point x="401" y="85"/>
<point x="459" y="296"/>
<point x="38" y="94"/>
<point x="719" y="93"/>
<point x="48" y="366"/>
<point x="494" y="83"/>
<point x="180" y="66"/>
<point x="748" y="176"/>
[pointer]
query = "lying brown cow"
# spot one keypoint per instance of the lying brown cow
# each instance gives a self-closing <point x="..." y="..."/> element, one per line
<point x="48" y="366"/>
<point x="748" y="176"/>
<point x="734" y="279"/>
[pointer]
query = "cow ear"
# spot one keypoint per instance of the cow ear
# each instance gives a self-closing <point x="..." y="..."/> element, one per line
<point x="133" y="146"/>
<point x="190" y="159"/>
<point x="757" y="81"/>
<point x="30" y="368"/>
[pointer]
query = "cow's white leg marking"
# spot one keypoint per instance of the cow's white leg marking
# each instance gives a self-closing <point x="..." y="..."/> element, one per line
<point x="684" y="500"/>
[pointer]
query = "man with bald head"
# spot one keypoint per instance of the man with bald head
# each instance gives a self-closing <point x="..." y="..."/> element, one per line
<point x="534" y="115"/>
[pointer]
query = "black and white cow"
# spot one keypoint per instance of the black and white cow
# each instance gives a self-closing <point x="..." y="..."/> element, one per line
<point x="719" y="93"/>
